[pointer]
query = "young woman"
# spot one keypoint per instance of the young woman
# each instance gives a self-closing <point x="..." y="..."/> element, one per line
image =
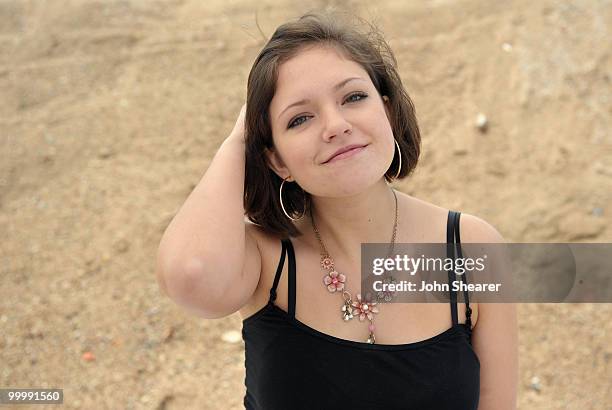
<point x="326" y="128"/>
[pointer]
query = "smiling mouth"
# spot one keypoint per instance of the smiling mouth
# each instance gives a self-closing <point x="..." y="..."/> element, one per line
<point x="346" y="154"/>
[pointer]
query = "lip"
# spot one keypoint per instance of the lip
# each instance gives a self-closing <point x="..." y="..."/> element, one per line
<point x="336" y="156"/>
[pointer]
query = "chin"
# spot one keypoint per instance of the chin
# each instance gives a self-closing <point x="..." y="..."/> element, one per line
<point x="349" y="183"/>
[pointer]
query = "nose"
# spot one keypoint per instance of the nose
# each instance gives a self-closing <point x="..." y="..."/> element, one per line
<point x="335" y="124"/>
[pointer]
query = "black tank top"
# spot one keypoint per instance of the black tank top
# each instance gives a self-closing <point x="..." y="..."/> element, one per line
<point x="291" y="366"/>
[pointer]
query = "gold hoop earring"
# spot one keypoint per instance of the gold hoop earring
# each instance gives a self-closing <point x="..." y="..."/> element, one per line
<point x="280" y="197"/>
<point x="399" y="168"/>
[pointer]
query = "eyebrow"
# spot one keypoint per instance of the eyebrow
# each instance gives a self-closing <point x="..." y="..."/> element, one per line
<point x="335" y="88"/>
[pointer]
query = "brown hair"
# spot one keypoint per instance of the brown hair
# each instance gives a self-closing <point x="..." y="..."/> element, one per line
<point x="371" y="51"/>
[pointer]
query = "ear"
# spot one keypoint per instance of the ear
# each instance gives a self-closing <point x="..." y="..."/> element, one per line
<point x="276" y="163"/>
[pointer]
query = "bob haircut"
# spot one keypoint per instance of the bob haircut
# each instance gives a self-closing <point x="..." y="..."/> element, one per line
<point x="371" y="51"/>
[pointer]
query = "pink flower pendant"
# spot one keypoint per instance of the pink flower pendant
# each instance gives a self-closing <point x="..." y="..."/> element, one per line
<point x="364" y="308"/>
<point x="334" y="281"/>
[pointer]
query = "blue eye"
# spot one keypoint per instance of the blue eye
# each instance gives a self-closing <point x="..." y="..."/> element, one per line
<point x="294" y="123"/>
<point x="362" y="95"/>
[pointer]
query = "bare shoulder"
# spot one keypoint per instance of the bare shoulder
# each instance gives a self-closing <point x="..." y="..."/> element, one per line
<point x="476" y="230"/>
<point x="473" y="229"/>
<point x="269" y="246"/>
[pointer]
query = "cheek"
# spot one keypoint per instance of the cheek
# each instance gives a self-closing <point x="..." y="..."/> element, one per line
<point x="385" y="125"/>
<point x="377" y="122"/>
<point x="382" y="135"/>
<point x="381" y="129"/>
<point x="299" y="159"/>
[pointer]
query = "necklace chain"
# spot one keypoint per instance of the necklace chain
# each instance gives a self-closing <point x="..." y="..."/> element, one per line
<point x="348" y="302"/>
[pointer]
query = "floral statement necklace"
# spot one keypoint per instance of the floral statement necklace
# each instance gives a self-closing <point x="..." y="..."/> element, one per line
<point x="335" y="281"/>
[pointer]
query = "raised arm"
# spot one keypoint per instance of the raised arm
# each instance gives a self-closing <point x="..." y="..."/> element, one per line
<point x="207" y="262"/>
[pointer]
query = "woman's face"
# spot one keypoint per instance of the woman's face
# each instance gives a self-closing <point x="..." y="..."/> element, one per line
<point x="324" y="102"/>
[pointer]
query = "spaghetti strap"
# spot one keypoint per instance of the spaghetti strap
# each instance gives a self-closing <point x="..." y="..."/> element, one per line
<point x="450" y="253"/>
<point x="287" y="249"/>
<point x="291" y="281"/>
<point x="468" y="309"/>
<point x="279" y="271"/>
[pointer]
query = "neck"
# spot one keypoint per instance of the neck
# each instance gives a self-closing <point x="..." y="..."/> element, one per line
<point x="344" y="223"/>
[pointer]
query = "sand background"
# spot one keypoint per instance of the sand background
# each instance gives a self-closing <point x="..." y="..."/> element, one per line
<point x="111" y="111"/>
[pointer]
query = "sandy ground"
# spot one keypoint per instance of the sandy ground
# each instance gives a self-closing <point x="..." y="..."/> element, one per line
<point x="112" y="110"/>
